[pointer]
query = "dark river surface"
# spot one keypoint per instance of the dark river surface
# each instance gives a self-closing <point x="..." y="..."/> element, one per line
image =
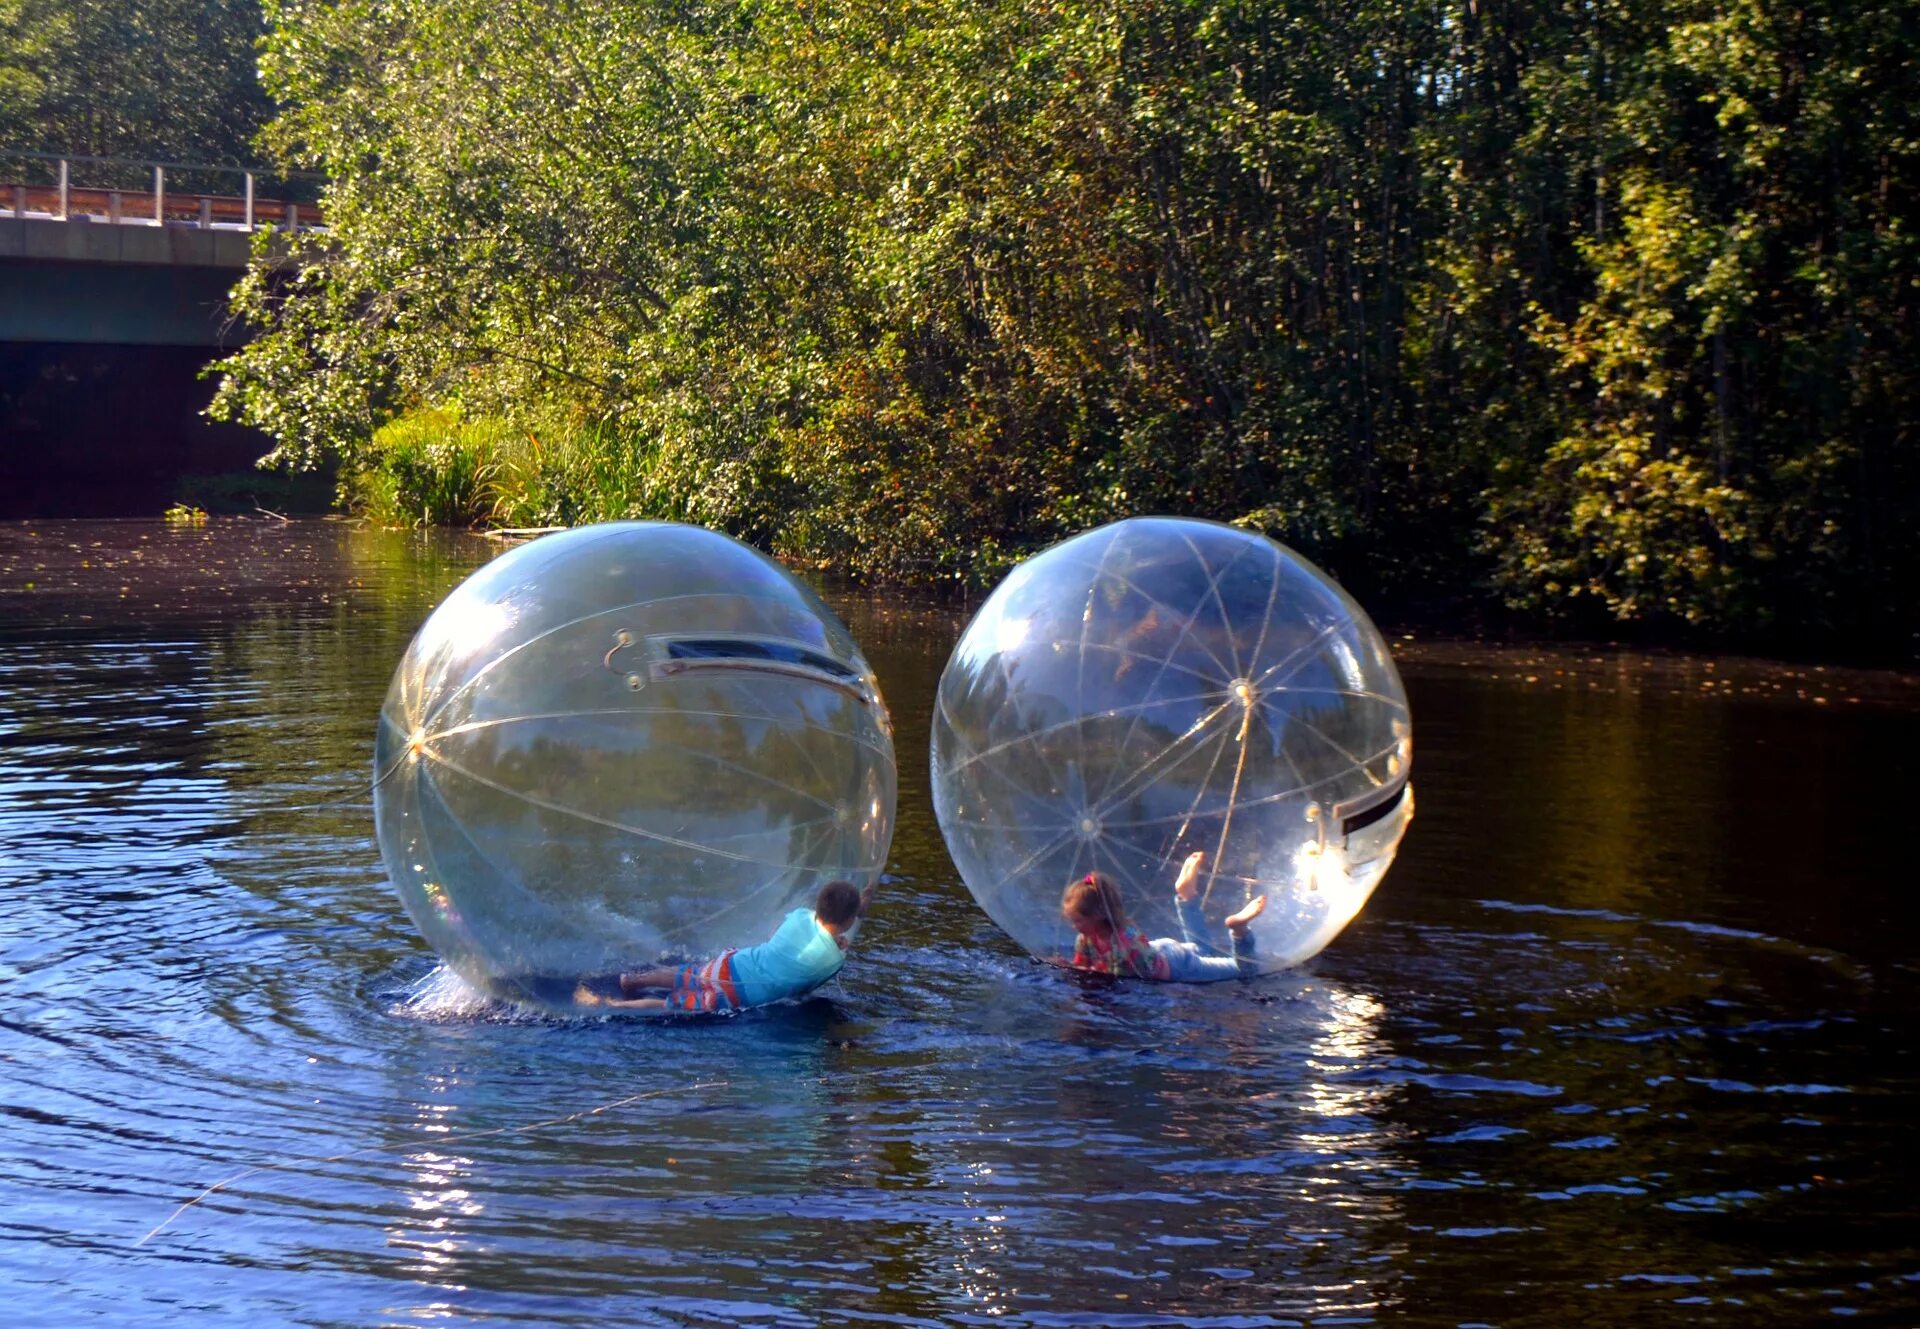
<point x="1626" y="1037"/>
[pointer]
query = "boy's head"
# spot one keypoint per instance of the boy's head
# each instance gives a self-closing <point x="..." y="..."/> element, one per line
<point x="1092" y="905"/>
<point x="837" y="905"/>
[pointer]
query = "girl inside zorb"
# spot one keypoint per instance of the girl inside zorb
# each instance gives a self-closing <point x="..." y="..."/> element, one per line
<point x="1105" y="942"/>
<point x="1150" y="689"/>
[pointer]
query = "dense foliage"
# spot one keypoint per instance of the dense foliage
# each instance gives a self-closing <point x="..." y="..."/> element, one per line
<point x="1607" y="309"/>
<point x="167" y="80"/>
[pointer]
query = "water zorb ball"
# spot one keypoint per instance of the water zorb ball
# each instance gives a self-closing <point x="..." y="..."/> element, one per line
<point x="1159" y="687"/>
<point x="625" y="744"/>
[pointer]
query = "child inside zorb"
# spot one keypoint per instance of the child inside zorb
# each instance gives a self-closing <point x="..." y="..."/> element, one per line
<point x="1107" y="943"/>
<point x="808" y="949"/>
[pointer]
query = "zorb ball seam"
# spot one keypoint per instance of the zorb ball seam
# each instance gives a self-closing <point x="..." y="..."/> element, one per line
<point x="1162" y="687"/>
<point x="624" y="745"/>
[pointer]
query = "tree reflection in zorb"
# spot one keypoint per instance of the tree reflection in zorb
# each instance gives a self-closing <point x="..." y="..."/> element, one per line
<point x="1163" y="686"/>
<point x="625" y="744"/>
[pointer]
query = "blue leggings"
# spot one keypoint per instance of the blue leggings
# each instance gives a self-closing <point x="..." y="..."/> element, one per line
<point x="1194" y="962"/>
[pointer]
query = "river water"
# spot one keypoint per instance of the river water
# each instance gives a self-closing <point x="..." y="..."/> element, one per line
<point x="1627" y="1036"/>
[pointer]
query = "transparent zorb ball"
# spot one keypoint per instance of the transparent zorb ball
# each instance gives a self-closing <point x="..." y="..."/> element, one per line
<point x="622" y="745"/>
<point x="1160" y="687"/>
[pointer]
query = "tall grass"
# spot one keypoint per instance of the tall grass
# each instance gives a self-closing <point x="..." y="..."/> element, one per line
<point x="427" y="468"/>
<point x="434" y="467"/>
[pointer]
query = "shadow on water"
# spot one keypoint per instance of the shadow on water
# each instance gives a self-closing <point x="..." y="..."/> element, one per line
<point x="1628" y="1033"/>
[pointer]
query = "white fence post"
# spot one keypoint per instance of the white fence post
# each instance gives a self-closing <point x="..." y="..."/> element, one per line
<point x="63" y="189"/>
<point x="159" y="196"/>
<point x="249" y="175"/>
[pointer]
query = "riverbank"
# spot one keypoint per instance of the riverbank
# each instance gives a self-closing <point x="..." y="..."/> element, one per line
<point x="95" y="573"/>
<point x="555" y="469"/>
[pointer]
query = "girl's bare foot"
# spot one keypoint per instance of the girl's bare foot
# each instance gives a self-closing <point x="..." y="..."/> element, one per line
<point x="586" y="996"/>
<point x="1185" y="885"/>
<point x="1252" y="910"/>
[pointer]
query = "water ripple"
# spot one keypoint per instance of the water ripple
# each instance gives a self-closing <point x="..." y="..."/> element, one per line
<point x="1562" y="1051"/>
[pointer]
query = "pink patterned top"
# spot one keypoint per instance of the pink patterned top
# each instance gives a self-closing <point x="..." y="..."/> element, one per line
<point x="1126" y="952"/>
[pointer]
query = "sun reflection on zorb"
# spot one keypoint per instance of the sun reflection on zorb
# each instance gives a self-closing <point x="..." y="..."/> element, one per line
<point x="1162" y="687"/>
<point x="624" y="744"/>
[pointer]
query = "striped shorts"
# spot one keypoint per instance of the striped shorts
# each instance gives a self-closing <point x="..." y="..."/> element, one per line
<point x="705" y="987"/>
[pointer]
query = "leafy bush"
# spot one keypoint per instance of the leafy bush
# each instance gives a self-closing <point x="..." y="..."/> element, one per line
<point x="1583" y="310"/>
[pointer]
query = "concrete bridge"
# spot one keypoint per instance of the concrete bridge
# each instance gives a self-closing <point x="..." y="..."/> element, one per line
<point x="112" y="303"/>
<point x="84" y="265"/>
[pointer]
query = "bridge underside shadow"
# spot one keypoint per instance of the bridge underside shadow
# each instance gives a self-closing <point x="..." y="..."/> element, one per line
<point x="91" y="430"/>
<point x="117" y="304"/>
<point x="105" y="331"/>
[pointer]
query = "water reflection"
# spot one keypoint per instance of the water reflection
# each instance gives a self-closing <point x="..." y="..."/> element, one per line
<point x="439" y="1195"/>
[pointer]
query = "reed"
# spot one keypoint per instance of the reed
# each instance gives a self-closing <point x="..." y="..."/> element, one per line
<point x="548" y="468"/>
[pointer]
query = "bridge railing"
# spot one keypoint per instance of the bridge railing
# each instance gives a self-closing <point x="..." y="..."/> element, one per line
<point x="126" y="191"/>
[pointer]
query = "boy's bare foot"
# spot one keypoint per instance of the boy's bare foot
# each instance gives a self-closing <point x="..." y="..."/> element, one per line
<point x="586" y="996"/>
<point x="1187" y="883"/>
<point x="1252" y="910"/>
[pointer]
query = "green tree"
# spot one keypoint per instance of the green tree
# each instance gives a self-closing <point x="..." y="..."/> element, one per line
<point x="1602" y="310"/>
<point x="1734" y="446"/>
<point x="29" y="37"/>
<point x="171" y="80"/>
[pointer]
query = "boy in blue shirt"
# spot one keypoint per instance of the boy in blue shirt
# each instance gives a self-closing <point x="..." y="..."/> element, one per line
<point x="808" y="948"/>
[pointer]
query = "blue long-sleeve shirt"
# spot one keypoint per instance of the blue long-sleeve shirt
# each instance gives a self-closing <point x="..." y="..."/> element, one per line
<point x="799" y="957"/>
